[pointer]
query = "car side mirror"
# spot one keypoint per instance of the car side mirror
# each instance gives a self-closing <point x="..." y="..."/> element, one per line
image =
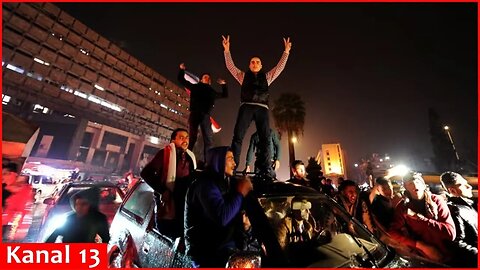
<point x="245" y="259"/>
<point x="49" y="201"/>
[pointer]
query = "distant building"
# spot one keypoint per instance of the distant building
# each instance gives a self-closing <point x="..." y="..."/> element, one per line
<point x="96" y="105"/>
<point x="332" y="160"/>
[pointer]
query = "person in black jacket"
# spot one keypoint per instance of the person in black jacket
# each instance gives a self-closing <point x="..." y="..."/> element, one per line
<point x="465" y="217"/>
<point x="87" y="224"/>
<point x="202" y="101"/>
<point x="254" y="97"/>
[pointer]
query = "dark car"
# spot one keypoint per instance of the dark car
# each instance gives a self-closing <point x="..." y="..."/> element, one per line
<point x="58" y="207"/>
<point x="337" y="239"/>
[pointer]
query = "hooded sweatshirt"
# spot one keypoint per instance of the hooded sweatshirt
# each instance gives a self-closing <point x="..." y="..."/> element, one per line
<point x="84" y="229"/>
<point x="210" y="211"/>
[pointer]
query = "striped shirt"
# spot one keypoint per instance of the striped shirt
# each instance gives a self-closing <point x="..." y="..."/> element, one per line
<point x="239" y="74"/>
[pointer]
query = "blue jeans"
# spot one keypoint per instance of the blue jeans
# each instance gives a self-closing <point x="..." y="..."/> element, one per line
<point x="246" y="114"/>
<point x="195" y="120"/>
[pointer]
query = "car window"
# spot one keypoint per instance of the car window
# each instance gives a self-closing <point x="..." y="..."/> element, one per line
<point x="140" y="201"/>
<point x="110" y="195"/>
<point x="314" y="231"/>
<point x="68" y="193"/>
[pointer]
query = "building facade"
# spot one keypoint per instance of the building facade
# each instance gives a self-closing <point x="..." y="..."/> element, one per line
<point x="95" y="104"/>
<point x="333" y="161"/>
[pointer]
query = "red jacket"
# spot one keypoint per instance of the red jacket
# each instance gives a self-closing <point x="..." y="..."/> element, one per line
<point x="407" y="230"/>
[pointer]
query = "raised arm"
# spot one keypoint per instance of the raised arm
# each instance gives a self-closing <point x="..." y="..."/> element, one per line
<point x="181" y="77"/>
<point x="275" y="72"/>
<point x="224" y="93"/>
<point x="236" y="72"/>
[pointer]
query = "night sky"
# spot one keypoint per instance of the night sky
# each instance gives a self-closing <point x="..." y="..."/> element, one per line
<point x="368" y="72"/>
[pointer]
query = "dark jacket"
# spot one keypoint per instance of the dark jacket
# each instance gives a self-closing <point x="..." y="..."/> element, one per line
<point x="382" y="210"/>
<point x="202" y="96"/>
<point x="255" y="88"/>
<point x="465" y="245"/>
<point x="84" y="229"/>
<point x="303" y="181"/>
<point x="275" y="147"/>
<point x="210" y="213"/>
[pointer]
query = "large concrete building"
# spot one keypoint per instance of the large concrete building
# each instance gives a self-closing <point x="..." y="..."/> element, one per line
<point x="96" y="105"/>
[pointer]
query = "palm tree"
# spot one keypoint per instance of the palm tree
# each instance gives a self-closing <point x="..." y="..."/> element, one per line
<point x="289" y="116"/>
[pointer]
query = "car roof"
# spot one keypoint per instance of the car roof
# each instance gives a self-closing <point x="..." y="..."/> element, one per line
<point x="280" y="188"/>
<point x="92" y="184"/>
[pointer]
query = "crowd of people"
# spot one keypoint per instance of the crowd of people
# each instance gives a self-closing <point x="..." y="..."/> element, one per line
<point x="440" y="228"/>
<point x="204" y="207"/>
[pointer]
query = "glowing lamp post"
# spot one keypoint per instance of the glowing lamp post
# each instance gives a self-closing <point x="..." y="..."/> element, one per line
<point x="447" y="129"/>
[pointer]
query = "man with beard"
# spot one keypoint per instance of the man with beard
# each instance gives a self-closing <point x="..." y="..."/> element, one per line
<point x="465" y="216"/>
<point x="169" y="173"/>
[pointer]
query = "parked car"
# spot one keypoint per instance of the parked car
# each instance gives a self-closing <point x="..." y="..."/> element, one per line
<point x="58" y="207"/>
<point x="43" y="186"/>
<point x="339" y="240"/>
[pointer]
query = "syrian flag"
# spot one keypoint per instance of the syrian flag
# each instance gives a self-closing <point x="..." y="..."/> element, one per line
<point x="194" y="79"/>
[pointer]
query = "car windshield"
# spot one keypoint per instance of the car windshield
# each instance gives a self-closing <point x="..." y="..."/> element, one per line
<point x="314" y="231"/>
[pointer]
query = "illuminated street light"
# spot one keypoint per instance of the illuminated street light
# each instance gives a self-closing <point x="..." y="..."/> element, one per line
<point x="294" y="139"/>
<point x="447" y="129"/>
<point x="356" y="165"/>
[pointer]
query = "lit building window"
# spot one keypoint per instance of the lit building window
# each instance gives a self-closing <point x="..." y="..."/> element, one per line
<point x="37" y="108"/>
<point x="99" y="87"/>
<point x="80" y="94"/>
<point x="35" y="76"/>
<point x="16" y="69"/>
<point x="38" y="60"/>
<point x="5" y="99"/>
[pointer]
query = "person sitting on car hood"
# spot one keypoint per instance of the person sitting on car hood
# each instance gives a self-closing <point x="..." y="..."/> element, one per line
<point x="213" y="204"/>
<point x="86" y="224"/>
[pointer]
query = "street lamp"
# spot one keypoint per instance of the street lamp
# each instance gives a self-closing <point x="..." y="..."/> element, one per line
<point x="447" y="129"/>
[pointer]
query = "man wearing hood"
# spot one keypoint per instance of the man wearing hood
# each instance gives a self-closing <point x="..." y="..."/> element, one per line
<point x="86" y="224"/>
<point x="254" y="103"/>
<point x="213" y="203"/>
<point x="170" y="173"/>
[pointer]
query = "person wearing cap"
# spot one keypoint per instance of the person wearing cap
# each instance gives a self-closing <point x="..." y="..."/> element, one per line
<point x="298" y="226"/>
<point x="422" y="221"/>
<point x="86" y="224"/>
<point x="465" y="217"/>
